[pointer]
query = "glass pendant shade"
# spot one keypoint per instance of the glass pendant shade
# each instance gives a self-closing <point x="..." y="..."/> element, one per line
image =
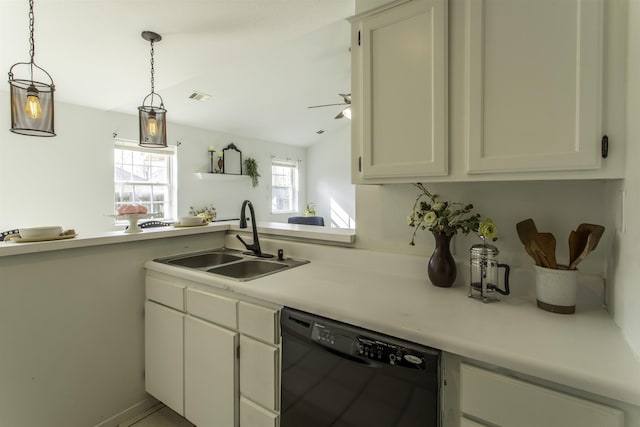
<point x="31" y="102"/>
<point x="153" y="125"/>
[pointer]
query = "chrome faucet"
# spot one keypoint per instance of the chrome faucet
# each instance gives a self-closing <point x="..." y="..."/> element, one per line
<point x="255" y="246"/>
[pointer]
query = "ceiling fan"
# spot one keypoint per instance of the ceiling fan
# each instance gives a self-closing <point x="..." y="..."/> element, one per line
<point x="346" y="112"/>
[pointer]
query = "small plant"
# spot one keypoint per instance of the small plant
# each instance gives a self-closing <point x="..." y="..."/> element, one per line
<point x="310" y="209"/>
<point x="207" y="212"/>
<point x="251" y="166"/>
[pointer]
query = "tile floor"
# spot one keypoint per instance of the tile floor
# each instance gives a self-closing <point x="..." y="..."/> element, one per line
<point x="157" y="416"/>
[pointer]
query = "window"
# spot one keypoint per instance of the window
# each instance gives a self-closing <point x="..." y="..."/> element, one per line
<point x="145" y="176"/>
<point x="284" y="186"/>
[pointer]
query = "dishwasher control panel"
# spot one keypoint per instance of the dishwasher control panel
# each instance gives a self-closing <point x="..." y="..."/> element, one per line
<point x="360" y="346"/>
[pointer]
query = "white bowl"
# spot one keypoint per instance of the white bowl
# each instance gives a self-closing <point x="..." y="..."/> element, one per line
<point x="40" y="232"/>
<point x="191" y="220"/>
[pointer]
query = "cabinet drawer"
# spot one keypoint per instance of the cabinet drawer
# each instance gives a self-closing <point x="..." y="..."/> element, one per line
<point x="165" y="293"/>
<point x="259" y="322"/>
<point x="252" y="415"/>
<point x="506" y="401"/>
<point x="259" y="373"/>
<point x="211" y="307"/>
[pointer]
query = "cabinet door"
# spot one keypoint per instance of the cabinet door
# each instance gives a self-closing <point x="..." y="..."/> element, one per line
<point x="466" y="422"/>
<point x="210" y="374"/>
<point x="259" y="373"/>
<point x="252" y="415"/>
<point x="533" y="85"/>
<point x="401" y="90"/>
<point x="164" y="355"/>
<point x="505" y="401"/>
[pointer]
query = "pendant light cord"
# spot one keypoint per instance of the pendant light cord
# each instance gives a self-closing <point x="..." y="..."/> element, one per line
<point x="152" y="72"/>
<point x="32" y="44"/>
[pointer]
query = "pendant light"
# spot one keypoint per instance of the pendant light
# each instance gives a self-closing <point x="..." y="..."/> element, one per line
<point x="31" y="100"/>
<point x="152" y="117"/>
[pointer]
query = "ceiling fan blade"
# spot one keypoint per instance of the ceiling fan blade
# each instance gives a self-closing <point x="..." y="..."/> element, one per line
<point x="339" y="116"/>
<point x="326" y="105"/>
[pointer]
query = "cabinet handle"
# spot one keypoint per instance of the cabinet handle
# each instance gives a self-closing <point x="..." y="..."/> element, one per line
<point x="605" y="147"/>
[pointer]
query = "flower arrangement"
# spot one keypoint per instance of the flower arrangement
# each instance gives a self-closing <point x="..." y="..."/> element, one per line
<point x="208" y="212"/>
<point x="447" y="217"/>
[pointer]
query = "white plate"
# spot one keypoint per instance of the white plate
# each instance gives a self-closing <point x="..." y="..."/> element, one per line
<point x="177" y="224"/>
<point x="16" y="238"/>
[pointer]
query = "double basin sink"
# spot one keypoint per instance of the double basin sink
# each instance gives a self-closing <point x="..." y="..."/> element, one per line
<point x="237" y="265"/>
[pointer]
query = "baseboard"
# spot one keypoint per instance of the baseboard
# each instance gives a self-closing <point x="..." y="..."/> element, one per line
<point x="131" y="412"/>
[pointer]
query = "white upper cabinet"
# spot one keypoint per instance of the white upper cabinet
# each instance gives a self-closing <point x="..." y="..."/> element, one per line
<point x="399" y="90"/>
<point x="533" y="85"/>
<point x="488" y="90"/>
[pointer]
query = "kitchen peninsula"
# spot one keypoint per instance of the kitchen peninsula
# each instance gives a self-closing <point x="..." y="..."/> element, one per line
<point x="92" y="351"/>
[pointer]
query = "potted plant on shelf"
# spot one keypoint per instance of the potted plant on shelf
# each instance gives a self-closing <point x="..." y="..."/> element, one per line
<point x="251" y="166"/>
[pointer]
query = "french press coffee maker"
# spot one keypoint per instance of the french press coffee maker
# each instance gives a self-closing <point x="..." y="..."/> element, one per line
<point x="484" y="273"/>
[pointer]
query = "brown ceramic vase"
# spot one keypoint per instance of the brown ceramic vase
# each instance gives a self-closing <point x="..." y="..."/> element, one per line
<point x="442" y="266"/>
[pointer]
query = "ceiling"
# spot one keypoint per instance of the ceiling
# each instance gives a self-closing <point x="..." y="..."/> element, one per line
<point x="262" y="61"/>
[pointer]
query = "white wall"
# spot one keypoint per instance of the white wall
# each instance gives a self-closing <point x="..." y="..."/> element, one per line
<point x="67" y="180"/>
<point x="555" y="206"/>
<point x="72" y="332"/>
<point x="329" y="179"/>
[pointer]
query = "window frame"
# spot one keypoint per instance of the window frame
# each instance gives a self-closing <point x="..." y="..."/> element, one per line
<point x="295" y="187"/>
<point x="171" y="185"/>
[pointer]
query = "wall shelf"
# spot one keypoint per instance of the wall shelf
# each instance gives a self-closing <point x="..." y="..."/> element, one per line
<point x="221" y="177"/>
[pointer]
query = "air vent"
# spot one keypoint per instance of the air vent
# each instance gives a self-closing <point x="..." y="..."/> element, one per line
<point x="199" y="96"/>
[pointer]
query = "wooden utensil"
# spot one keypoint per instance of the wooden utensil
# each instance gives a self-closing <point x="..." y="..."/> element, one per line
<point x="536" y="253"/>
<point x="526" y="229"/>
<point x="577" y="242"/>
<point x="585" y="251"/>
<point x="547" y="243"/>
<point x="595" y="230"/>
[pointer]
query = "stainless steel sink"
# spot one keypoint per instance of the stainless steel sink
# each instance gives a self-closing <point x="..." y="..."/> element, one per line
<point x="207" y="259"/>
<point x="232" y="264"/>
<point x="248" y="269"/>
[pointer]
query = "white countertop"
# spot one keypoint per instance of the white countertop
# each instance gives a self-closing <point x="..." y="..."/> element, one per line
<point x="336" y="236"/>
<point x="390" y="293"/>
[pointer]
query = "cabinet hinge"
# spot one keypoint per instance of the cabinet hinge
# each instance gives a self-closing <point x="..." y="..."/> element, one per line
<point x="604" y="148"/>
<point x="360" y="164"/>
<point x="358" y="38"/>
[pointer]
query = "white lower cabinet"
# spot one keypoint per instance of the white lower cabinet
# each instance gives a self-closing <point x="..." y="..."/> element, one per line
<point x="259" y="369"/>
<point x="164" y="355"/>
<point x="499" y="400"/>
<point x="210" y="374"/>
<point x="212" y="356"/>
<point x="466" y="422"/>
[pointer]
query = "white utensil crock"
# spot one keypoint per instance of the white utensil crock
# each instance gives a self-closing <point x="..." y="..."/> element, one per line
<point x="556" y="289"/>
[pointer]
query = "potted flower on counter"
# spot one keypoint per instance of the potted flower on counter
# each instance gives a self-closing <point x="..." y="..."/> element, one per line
<point x="445" y="219"/>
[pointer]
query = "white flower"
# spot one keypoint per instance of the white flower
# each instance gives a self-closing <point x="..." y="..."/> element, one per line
<point x="487" y="229"/>
<point x="430" y="217"/>
<point x="438" y="206"/>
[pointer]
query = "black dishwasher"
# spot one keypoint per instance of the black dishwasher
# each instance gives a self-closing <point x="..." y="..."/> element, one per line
<point x="335" y="374"/>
